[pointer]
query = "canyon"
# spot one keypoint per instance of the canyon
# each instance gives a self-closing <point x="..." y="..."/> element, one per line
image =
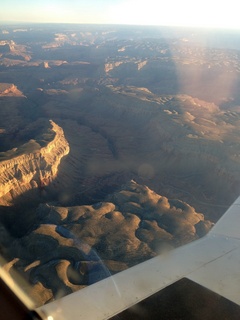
<point x="91" y="122"/>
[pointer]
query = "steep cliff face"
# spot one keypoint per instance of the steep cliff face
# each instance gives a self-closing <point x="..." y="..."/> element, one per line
<point x="31" y="166"/>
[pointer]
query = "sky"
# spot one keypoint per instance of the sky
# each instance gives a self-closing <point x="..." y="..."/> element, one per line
<point x="195" y="13"/>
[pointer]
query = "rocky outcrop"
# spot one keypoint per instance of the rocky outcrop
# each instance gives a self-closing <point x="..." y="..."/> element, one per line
<point x="9" y="90"/>
<point x="32" y="166"/>
<point x="142" y="64"/>
<point x="12" y="50"/>
<point x="72" y="247"/>
<point x="110" y="66"/>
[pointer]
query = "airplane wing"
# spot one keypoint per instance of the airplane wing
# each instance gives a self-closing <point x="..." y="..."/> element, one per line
<point x="213" y="262"/>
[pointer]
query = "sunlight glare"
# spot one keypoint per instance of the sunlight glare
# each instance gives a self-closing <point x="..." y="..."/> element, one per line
<point x="177" y="13"/>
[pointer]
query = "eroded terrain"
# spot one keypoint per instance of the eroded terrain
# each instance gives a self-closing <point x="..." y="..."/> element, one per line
<point x="130" y="112"/>
<point x="72" y="247"/>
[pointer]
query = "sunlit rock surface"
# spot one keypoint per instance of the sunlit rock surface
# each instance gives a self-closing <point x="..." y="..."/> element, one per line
<point x="9" y="90"/>
<point x="32" y="165"/>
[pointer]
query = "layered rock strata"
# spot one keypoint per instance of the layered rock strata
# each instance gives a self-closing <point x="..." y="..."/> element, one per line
<point x="32" y="166"/>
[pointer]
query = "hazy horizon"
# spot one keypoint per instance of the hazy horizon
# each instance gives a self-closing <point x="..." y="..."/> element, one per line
<point x="186" y="13"/>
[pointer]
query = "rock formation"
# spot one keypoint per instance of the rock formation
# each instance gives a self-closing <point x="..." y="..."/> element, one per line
<point x="9" y="90"/>
<point x="110" y="66"/>
<point x="162" y="112"/>
<point x="72" y="247"/>
<point x="30" y="165"/>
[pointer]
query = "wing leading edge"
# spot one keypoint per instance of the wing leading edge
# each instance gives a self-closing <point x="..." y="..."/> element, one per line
<point x="212" y="261"/>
